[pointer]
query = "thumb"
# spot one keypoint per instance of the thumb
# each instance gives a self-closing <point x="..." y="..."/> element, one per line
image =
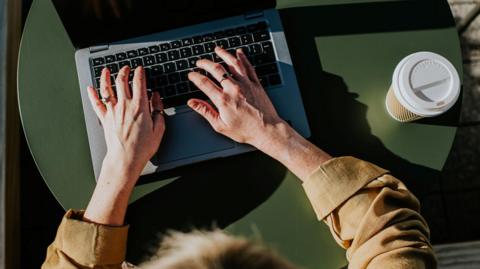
<point x="205" y="110"/>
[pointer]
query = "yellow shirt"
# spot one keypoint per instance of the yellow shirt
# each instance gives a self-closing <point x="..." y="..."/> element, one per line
<point x="370" y="213"/>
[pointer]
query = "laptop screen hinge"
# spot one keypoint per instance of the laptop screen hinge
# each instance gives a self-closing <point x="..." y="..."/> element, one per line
<point x="98" y="48"/>
<point x="253" y="14"/>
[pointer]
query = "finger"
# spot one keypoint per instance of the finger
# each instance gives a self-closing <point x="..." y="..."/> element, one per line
<point x="206" y="85"/>
<point x="233" y="62"/>
<point x="139" y="86"/>
<point x="97" y="104"/>
<point x="158" y="119"/>
<point x="106" y="87"/>
<point x="123" y="89"/>
<point x="248" y="66"/>
<point x="217" y="71"/>
<point x="206" y="111"/>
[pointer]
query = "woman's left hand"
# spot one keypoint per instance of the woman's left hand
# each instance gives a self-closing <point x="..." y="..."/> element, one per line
<point x="133" y="126"/>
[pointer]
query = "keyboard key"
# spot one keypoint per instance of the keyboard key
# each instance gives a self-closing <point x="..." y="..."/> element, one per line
<point x="263" y="59"/>
<point x="198" y="49"/>
<point x="217" y="58"/>
<point x="234" y="42"/>
<point x="156" y="70"/>
<point x="165" y="46"/>
<point x="176" y="44"/>
<point x="182" y="87"/>
<point x="97" y="83"/>
<point x="231" y="51"/>
<point x="187" y="41"/>
<point x="184" y="75"/>
<point x="246" y="39"/>
<point x="181" y="65"/>
<point x="263" y="81"/>
<point x="208" y="37"/>
<point x="268" y="48"/>
<point x="192" y="62"/>
<point x="219" y="34"/>
<point x="136" y="63"/>
<point x="150" y="83"/>
<point x="266" y="69"/>
<point x="207" y="57"/>
<point x="169" y="68"/>
<point x="229" y="32"/>
<point x="154" y="49"/>
<point x="123" y="63"/>
<point x="161" y="57"/>
<point x="254" y="49"/>
<point x="148" y="72"/>
<point x="173" y="55"/>
<point x="209" y="47"/>
<point x="113" y="68"/>
<point x="197" y="39"/>
<point x="148" y="60"/>
<point x="109" y="59"/>
<point x="274" y="79"/>
<point x="261" y="36"/>
<point x="240" y="30"/>
<point x="161" y="81"/>
<point x="121" y="56"/>
<point x="98" y="61"/>
<point x="174" y="78"/>
<point x="143" y="51"/>
<point x="132" y="54"/>
<point x="222" y="43"/>
<point x="194" y="88"/>
<point x="97" y="71"/>
<point x="186" y="52"/>
<point x="169" y="91"/>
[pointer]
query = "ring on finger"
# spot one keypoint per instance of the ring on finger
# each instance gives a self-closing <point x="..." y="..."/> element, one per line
<point x="226" y="76"/>
<point x="106" y="99"/>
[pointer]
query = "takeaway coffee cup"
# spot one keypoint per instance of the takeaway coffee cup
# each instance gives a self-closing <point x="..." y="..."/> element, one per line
<point x="424" y="84"/>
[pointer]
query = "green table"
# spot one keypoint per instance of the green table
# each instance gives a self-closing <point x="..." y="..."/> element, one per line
<point x="344" y="53"/>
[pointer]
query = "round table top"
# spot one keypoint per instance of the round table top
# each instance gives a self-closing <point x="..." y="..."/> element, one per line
<point x="344" y="53"/>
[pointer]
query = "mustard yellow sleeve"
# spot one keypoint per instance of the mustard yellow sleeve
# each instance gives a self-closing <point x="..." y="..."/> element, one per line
<point x="371" y="214"/>
<point x="80" y="244"/>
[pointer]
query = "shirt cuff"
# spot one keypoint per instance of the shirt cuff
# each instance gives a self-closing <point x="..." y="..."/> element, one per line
<point x="90" y="243"/>
<point x="337" y="180"/>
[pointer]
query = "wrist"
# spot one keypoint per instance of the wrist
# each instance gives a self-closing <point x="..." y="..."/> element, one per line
<point x="118" y="174"/>
<point x="275" y="137"/>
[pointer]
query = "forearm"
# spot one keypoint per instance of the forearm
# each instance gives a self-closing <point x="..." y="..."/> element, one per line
<point x="284" y="144"/>
<point x="109" y="201"/>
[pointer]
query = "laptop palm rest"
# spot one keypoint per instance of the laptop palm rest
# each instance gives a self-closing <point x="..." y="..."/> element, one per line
<point x="189" y="135"/>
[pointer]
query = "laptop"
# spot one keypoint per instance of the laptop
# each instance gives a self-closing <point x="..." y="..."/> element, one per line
<point x="167" y="38"/>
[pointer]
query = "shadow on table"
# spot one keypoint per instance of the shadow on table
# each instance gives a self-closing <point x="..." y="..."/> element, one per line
<point x="224" y="190"/>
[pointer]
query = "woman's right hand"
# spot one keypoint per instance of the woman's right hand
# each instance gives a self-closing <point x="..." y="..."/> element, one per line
<point x="243" y="110"/>
<point x="245" y="114"/>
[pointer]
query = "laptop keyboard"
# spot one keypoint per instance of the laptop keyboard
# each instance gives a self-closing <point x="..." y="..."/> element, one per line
<point x="167" y="64"/>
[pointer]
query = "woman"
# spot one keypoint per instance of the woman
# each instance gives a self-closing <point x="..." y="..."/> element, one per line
<point x="370" y="213"/>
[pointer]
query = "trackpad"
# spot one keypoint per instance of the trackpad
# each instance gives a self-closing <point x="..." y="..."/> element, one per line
<point x="188" y="135"/>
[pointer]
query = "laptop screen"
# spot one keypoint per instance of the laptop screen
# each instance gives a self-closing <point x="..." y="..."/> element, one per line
<point x="90" y="22"/>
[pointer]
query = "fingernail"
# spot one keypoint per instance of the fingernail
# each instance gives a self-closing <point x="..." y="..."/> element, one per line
<point x="192" y="104"/>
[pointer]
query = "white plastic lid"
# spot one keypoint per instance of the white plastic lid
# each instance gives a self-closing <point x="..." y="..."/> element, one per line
<point x="426" y="83"/>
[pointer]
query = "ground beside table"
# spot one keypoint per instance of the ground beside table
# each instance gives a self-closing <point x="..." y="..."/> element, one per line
<point x="344" y="68"/>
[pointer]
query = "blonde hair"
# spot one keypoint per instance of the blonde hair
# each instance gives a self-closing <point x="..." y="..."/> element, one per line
<point x="213" y="250"/>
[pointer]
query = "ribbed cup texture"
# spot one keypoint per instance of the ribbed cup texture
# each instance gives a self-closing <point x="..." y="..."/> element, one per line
<point x="397" y="111"/>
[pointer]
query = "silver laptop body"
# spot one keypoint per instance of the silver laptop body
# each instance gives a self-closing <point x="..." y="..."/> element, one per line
<point x="189" y="138"/>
